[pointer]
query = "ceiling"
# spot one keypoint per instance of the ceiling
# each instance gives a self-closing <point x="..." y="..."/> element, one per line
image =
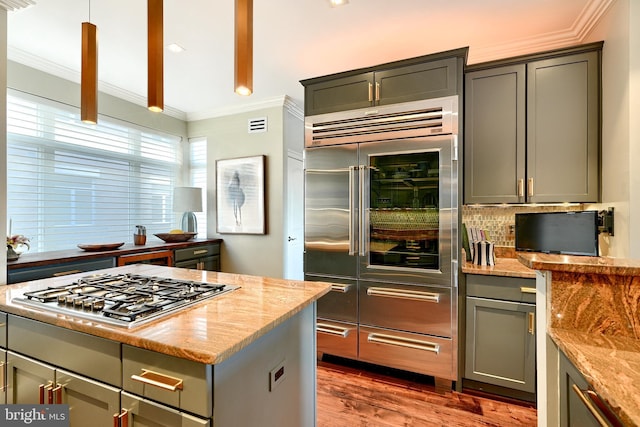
<point x="293" y="40"/>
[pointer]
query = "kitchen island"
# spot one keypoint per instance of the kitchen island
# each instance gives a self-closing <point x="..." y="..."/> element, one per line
<point x="588" y="307"/>
<point x="243" y="358"/>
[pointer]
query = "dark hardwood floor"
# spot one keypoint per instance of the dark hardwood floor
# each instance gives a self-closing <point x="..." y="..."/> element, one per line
<point x="350" y="396"/>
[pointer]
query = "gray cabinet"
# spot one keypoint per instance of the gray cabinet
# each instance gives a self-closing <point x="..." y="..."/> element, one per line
<point x="59" y="269"/>
<point x="140" y="412"/>
<point x="532" y="129"/>
<point x="382" y="86"/>
<point x="202" y="257"/>
<point x="500" y="332"/>
<point x="580" y="405"/>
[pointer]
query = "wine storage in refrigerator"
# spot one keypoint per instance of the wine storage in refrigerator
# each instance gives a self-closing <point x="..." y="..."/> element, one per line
<point x="381" y="215"/>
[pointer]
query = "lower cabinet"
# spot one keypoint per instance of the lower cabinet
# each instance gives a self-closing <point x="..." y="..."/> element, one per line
<point x="141" y="412"/>
<point x="500" y="333"/>
<point x="58" y="269"/>
<point x="580" y="406"/>
<point x="203" y="257"/>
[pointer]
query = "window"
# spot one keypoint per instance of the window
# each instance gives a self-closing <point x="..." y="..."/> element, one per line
<point x="198" y="177"/>
<point x="70" y="183"/>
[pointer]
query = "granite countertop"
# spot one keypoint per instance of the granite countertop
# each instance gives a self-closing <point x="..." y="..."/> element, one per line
<point x="509" y="267"/>
<point x="580" y="264"/>
<point x="207" y="332"/>
<point x="610" y="364"/>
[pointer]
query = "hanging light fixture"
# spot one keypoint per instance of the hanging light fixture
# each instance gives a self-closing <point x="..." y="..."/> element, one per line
<point x="244" y="47"/>
<point x="155" y="59"/>
<point x="89" y="73"/>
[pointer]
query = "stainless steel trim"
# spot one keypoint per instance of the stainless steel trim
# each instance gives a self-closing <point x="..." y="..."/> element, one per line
<point x="335" y="287"/>
<point x="589" y="405"/>
<point x="159" y="380"/>
<point x="404" y="294"/>
<point x="403" y="342"/>
<point x="364" y="188"/>
<point x="527" y="290"/>
<point x="332" y="330"/>
<point x="352" y="218"/>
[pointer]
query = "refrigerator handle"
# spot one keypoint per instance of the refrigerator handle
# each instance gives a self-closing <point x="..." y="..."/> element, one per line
<point x="353" y="217"/>
<point x="364" y="188"/>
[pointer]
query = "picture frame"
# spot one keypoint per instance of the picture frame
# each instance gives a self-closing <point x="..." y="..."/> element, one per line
<point x="240" y="202"/>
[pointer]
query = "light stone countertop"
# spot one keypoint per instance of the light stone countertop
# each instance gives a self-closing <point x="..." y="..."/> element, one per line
<point x="509" y="267"/>
<point x="207" y="332"/>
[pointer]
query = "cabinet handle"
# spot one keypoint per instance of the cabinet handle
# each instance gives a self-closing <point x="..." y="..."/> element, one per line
<point x="332" y="330"/>
<point x="340" y="288"/>
<point x="370" y="92"/>
<point x="587" y="402"/>
<point x="159" y="380"/>
<point x="65" y="273"/>
<point x="521" y="187"/>
<point x="377" y="91"/>
<point x="3" y="376"/>
<point x="121" y="419"/>
<point x="403" y="342"/>
<point x="200" y="251"/>
<point x="530" y="187"/>
<point x="41" y="392"/>
<point x="404" y="294"/>
<point x="57" y="395"/>
<point x="532" y="323"/>
<point x="527" y="290"/>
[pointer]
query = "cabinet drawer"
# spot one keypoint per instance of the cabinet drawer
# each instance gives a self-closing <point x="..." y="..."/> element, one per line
<point x="503" y="288"/>
<point x="181" y="383"/>
<point x="85" y="354"/>
<point x="202" y="251"/>
<point x="211" y="263"/>
<point x="421" y="309"/>
<point x="337" y="338"/>
<point x="34" y="273"/>
<point x="143" y="412"/>
<point x="341" y="303"/>
<point x="412" y="352"/>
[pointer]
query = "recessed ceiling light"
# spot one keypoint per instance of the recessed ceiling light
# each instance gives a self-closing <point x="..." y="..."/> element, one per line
<point x="175" y="48"/>
<point x="336" y="3"/>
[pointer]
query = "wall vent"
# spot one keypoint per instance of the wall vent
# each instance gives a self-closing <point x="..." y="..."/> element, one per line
<point x="258" y="125"/>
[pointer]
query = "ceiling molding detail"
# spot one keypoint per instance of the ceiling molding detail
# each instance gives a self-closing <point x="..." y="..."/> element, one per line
<point x="276" y="101"/>
<point x="16" y="4"/>
<point x="576" y="34"/>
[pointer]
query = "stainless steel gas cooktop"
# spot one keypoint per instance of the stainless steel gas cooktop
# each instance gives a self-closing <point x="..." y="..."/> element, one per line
<point x="122" y="299"/>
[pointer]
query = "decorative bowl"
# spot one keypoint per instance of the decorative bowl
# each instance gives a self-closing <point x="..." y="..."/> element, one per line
<point x="176" y="237"/>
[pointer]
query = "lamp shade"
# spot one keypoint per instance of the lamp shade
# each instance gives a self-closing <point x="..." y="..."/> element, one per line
<point x="187" y="199"/>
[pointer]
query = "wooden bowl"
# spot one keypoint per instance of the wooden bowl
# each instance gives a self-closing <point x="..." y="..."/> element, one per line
<point x="175" y="237"/>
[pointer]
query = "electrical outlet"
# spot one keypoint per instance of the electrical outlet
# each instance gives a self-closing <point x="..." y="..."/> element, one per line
<point x="511" y="231"/>
<point x="277" y="375"/>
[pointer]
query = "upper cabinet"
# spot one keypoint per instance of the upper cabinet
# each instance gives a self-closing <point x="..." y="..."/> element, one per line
<point x="426" y="77"/>
<point x="532" y="129"/>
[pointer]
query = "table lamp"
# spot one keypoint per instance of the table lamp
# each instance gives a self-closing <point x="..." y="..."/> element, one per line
<point x="188" y="200"/>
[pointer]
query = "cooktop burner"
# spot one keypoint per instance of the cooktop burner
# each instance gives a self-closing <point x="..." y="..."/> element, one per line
<point x="122" y="299"/>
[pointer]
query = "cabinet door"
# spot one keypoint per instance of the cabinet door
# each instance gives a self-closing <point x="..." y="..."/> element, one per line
<point x="3" y="377"/>
<point x="340" y="94"/>
<point x="27" y="380"/>
<point x="90" y="402"/>
<point x="494" y="149"/>
<point x="563" y="130"/>
<point x="501" y="343"/>
<point x="143" y="413"/>
<point x="432" y="79"/>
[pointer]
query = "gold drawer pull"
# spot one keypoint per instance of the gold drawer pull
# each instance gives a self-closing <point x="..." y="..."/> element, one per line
<point x="121" y="419"/>
<point x="526" y="290"/>
<point x="65" y="273"/>
<point x="201" y="251"/>
<point x="340" y="288"/>
<point x="332" y="330"/>
<point x="404" y="342"/>
<point x="587" y="402"/>
<point x="403" y="294"/>
<point x="532" y="323"/>
<point x="158" y="380"/>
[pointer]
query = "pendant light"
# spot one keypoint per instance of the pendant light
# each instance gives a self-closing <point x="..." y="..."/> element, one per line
<point x="155" y="59"/>
<point x="244" y="47"/>
<point x="89" y="73"/>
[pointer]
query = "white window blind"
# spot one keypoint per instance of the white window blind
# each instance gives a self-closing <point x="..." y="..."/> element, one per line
<point x="198" y="177"/>
<point x="70" y="183"/>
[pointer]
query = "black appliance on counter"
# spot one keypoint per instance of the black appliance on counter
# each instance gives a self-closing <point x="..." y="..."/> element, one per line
<point x="122" y="299"/>
<point x="568" y="233"/>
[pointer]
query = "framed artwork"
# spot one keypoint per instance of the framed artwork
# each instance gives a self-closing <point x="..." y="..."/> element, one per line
<point x="240" y="195"/>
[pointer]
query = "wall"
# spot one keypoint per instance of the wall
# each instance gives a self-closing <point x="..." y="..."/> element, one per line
<point x="3" y="136"/>
<point x="619" y="162"/>
<point x="227" y="138"/>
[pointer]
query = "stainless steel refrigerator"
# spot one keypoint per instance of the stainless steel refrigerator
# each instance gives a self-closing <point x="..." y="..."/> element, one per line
<point x="381" y="223"/>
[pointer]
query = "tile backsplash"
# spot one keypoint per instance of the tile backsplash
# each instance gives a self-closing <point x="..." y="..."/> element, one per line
<point x="495" y="220"/>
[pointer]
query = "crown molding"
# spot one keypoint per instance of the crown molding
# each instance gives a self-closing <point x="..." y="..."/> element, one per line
<point x="576" y="34"/>
<point x="276" y="101"/>
<point x="16" y="4"/>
